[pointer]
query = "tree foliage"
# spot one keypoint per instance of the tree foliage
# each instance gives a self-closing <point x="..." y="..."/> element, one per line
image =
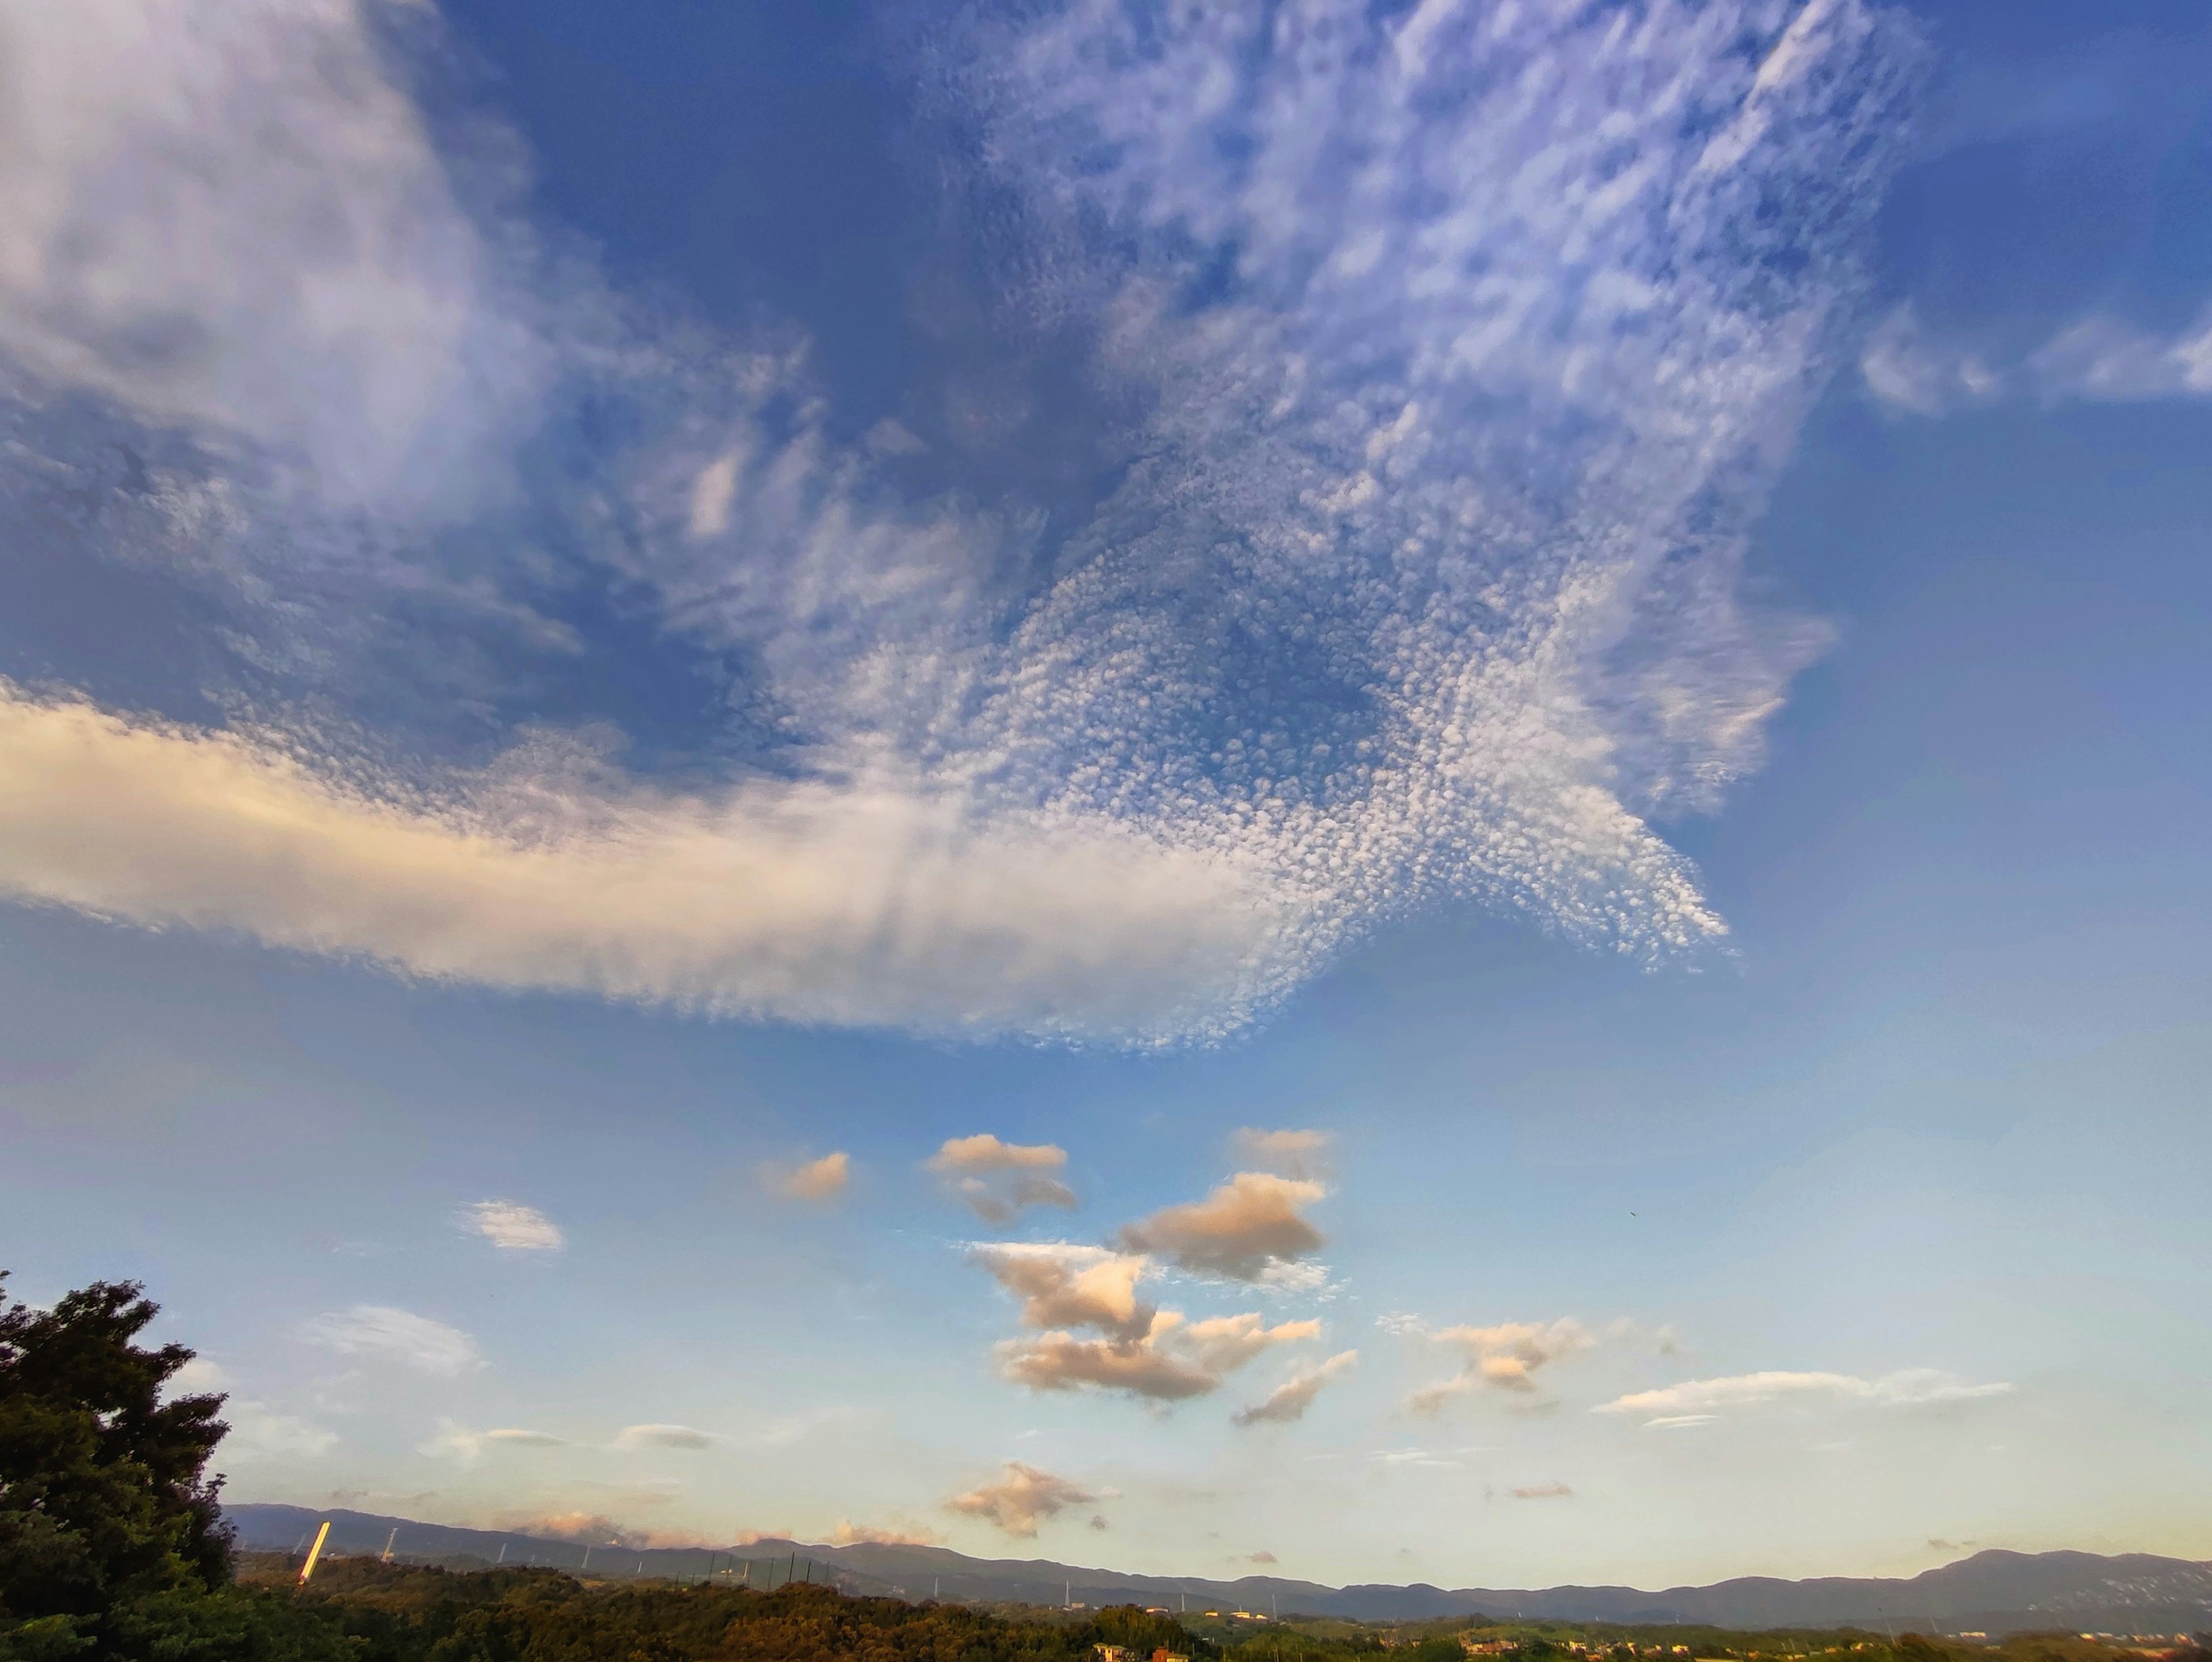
<point x="108" y="1516"/>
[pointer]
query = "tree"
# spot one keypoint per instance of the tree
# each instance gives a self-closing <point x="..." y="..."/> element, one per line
<point x="105" y="1502"/>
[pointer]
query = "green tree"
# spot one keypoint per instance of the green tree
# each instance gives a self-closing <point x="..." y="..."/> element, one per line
<point x="105" y="1502"/>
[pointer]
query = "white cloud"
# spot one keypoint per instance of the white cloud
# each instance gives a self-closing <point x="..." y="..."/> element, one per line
<point x="1290" y="1400"/>
<point x="663" y="1436"/>
<point x="1543" y="1492"/>
<point x="455" y="1440"/>
<point x="229" y="216"/>
<point x="1671" y="1405"/>
<point x="381" y="1333"/>
<point x="2097" y="359"/>
<point x="1022" y="1497"/>
<point x="818" y="1179"/>
<point x="512" y="1227"/>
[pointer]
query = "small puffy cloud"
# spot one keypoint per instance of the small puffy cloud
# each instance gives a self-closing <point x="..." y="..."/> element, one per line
<point x="1022" y="1499"/>
<point x="1543" y="1492"/>
<point x="1263" y="1557"/>
<point x="814" y="1180"/>
<point x="1246" y="1227"/>
<point x="1671" y="1405"/>
<point x="1061" y="1361"/>
<point x="985" y="1153"/>
<point x="999" y="1181"/>
<point x="1286" y="1153"/>
<point x="1506" y="1357"/>
<point x="847" y="1534"/>
<point x="1290" y="1400"/>
<point x="661" y="1436"/>
<point x="512" y="1227"/>
<point x="1063" y="1285"/>
<point x="379" y="1332"/>
<point x="1224" y="1343"/>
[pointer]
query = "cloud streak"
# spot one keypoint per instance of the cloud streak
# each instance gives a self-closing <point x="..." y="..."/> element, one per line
<point x="1290" y="1400"/>
<point x="1698" y="1401"/>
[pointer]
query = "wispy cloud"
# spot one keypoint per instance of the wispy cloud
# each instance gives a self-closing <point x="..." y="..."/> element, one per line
<point x="1543" y="1492"/>
<point x="1699" y="1400"/>
<point x="1248" y="1226"/>
<point x="1506" y="1357"/>
<point x="512" y="1227"/>
<point x="1290" y="1400"/>
<point x="2097" y="359"/>
<point x="382" y="1333"/>
<point x="1286" y="1154"/>
<point x="1022" y="1497"/>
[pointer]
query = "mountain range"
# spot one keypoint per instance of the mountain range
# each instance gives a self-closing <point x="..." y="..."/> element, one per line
<point x="1992" y="1592"/>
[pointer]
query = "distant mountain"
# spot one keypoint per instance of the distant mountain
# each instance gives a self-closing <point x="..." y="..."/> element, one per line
<point x="1990" y="1591"/>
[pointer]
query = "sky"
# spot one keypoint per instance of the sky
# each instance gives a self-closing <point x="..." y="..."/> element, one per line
<point x="1381" y="791"/>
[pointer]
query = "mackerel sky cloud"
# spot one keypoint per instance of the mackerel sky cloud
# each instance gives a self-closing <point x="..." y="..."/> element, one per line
<point x="860" y="772"/>
<point x="1355" y="653"/>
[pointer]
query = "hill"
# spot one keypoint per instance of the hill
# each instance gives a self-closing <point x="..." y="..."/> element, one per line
<point x="1992" y="1592"/>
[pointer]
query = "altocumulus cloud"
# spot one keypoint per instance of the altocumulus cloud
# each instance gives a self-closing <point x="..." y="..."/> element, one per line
<point x="1421" y="582"/>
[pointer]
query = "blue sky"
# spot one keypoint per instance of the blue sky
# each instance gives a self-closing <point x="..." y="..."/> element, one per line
<point x="1411" y="791"/>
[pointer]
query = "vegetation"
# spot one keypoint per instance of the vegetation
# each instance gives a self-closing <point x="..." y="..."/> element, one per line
<point x="112" y="1546"/>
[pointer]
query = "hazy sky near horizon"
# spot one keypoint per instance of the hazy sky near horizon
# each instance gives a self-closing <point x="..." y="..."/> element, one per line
<point x="1406" y="791"/>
